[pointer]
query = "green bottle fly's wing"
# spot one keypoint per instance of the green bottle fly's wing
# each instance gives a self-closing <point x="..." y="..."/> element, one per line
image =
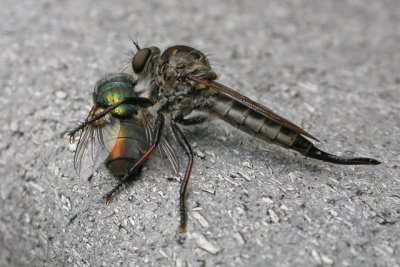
<point x="94" y="145"/>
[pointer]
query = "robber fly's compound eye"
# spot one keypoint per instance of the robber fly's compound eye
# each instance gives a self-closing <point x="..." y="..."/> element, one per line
<point x="139" y="59"/>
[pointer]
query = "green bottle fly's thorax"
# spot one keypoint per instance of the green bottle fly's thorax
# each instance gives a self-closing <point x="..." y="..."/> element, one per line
<point x="111" y="93"/>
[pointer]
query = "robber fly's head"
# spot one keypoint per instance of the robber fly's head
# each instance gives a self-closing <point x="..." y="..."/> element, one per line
<point x="144" y="60"/>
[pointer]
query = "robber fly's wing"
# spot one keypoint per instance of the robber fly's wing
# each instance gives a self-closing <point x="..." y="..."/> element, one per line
<point x="164" y="146"/>
<point x="256" y="107"/>
<point x="167" y="149"/>
<point x="94" y="146"/>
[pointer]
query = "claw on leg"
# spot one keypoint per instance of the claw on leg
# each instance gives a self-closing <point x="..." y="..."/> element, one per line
<point x="181" y="235"/>
<point x="182" y="229"/>
<point x="108" y="199"/>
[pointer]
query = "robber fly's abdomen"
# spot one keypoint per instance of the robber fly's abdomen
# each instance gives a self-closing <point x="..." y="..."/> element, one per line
<point x="250" y="121"/>
<point x="240" y="116"/>
<point x="128" y="147"/>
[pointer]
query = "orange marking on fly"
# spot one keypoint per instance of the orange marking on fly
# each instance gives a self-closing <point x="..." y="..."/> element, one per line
<point x="182" y="229"/>
<point x="101" y="121"/>
<point x="118" y="149"/>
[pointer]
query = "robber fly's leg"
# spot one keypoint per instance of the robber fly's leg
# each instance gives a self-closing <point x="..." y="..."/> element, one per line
<point x="139" y="101"/>
<point x="108" y="196"/>
<point x="184" y="186"/>
<point x="158" y="127"/>
<point x="153" y="91"/>
<point x="192" y="121"/>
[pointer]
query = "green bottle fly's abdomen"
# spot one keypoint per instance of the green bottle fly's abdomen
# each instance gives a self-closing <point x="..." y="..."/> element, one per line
<point x="129" y="146"/>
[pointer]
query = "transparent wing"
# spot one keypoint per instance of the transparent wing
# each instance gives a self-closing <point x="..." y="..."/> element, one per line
<point x="166" y="149"/>
<point x="164" y="146"/>
<point x="95" y="144"/>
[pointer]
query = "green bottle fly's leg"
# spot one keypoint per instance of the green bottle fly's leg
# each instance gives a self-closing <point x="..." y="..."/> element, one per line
<point x="139" y="101"/>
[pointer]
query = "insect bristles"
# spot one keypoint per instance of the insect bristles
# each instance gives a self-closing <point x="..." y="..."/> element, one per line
<point x="126" y="66"/>
<point x="135" y="43"/>
<point x="82" y="123"/>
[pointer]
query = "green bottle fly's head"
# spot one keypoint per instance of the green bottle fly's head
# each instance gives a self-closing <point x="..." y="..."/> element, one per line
<point x="113" y="88"/>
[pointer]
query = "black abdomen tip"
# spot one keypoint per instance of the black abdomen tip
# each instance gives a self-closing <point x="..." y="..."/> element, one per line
<point x="359" y="161"/>
<point x="374" y="162"/>
<point x="321" y="155"/>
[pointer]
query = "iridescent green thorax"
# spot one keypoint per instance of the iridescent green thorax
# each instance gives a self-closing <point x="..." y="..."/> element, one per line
<point x="110" y="93"/>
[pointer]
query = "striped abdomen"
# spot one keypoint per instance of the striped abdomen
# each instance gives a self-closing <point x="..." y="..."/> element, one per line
<point x="244" y="118"/>
<point x="252" y="122"/>
<point x="127" y="148"/>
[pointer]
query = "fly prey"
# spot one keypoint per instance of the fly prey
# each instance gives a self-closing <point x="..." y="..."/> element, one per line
<point x="118" y="132"/>
<point x="182" y="80"/>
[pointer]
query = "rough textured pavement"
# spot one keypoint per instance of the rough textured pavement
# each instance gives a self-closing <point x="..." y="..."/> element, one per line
<point x="330" y="66"/>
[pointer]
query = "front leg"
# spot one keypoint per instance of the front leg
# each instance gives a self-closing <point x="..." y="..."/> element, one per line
<point x="138" y="101"/>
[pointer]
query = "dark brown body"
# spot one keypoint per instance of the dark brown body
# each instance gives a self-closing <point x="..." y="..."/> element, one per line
<point x="185" y="81"/>
<point x="182" y="81"/>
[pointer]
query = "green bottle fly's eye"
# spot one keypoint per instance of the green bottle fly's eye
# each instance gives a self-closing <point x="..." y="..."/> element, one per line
<point x="139" y="59"/>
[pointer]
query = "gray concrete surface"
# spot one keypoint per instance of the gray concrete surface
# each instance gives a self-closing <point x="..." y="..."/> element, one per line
<point x="330" y="66"/>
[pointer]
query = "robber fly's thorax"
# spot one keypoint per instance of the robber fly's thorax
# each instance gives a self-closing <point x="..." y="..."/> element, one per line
<point x="175" y="91"/>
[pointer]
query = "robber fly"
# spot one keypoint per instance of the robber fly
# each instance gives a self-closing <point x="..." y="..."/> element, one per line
<point x="122" y="133"/>
<point x="181" y="81"/>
